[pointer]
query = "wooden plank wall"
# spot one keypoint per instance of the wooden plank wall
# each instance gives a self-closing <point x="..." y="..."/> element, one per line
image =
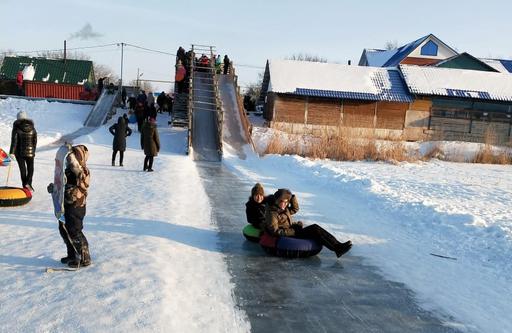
<point x="290" y="109"/>
<point x="335" y="112"/>
<point x="358" y="114"/>
<point x="464" y="130"/>
<point x="324" y="112"/>
<point x="391" y="115"/>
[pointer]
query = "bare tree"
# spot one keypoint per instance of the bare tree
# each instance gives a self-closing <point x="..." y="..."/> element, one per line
<point x="306" y="57"/>
<point x="143" y="85"/>
<point x="5" y="53"/>
<point x="252" y="93"/>
<point x="391" y="45"/>
<point x="105" y="71"/>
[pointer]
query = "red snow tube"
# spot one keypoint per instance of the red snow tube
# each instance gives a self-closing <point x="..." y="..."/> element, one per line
<point x="289" y="247"/>
<point x="14" y="196"/>
<point x="4" y="158"/>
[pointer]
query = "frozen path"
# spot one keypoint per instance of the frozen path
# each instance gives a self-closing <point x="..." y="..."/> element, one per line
<point x="319" y="294"/>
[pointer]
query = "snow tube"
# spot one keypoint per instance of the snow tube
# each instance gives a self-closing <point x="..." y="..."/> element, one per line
<point x="4" y="158"/>
<point x="289" y="247"/>
<point x="14" y="196"/>
<point x="132" y="119"/>
<point x="252" y="233"/>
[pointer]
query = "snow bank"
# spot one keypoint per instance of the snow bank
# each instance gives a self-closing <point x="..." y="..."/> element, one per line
<point x="51" y="119"/>
<point x="399" y="215"/>
<point x="156" y="265"/>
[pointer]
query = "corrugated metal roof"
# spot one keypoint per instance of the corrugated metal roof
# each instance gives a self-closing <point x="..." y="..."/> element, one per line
<point x="402" y="52"/>
<point x="507" y="64"/>
<point x="376" y="58"/>
<point x="465" y="60"/>
<point x="501" y="65"/>
<point x="462" y="83"/>
<point x="49" y="70"/>
<point x="336" y="81"/>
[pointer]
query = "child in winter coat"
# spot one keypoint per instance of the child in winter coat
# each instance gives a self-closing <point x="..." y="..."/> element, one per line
<point x="255" y="207"/>
<point x="75" y="195"/>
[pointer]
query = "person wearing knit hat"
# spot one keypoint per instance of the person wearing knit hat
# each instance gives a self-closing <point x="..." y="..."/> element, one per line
<point x="23" y="147"/>
<point x="21" y="115"/>
<point x="255" y="207"/>
<point x="279" y="223"/>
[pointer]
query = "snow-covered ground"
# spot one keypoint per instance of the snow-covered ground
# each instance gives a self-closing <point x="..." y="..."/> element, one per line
<point x="400" y="217"/>
<point x="51" y="119"/>
<point x="156" y="265"/>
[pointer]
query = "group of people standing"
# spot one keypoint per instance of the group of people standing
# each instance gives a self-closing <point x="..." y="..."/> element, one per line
<point x="183" y="67"/>
<point x="149" y="140"/>
<point x="273" y="215"/>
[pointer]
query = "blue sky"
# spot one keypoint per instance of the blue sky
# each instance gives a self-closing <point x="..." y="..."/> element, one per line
<point x="251" y="31"/>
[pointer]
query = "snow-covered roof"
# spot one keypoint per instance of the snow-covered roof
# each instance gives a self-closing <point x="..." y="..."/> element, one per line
<point x="462" y="83"/>
<point x="501" y="65"/>
<point x="337" y="81"/>
<point x="392" y="58"/>
<point x="375" y="57"/>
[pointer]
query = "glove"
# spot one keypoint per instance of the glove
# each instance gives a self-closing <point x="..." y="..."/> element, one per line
<point x="49" y="188"/>
<point x="297" y="226"/>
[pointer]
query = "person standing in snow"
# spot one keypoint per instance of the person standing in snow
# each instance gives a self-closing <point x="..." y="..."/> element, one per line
<point x="278" y="222"/>
<point x="140" y="111"/>
<point x="23" y="147"/>
<point x="151" y="99"/>
<point x="75" y="196"/>
<point x="120" y="131"/>
<point x="123" y="96"/>
<point x="150" y="142"/>
<point x="255" y="207"/>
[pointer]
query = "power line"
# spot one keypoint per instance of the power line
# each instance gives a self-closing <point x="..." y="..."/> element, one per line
<point x="151" y="50"/>
<point x="57" y="50"/>
<point x="249" y="66"/>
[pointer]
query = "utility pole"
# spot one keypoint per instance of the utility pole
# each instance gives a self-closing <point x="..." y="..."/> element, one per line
<point x="122" y="59"/>
<point x="138" y="76"/>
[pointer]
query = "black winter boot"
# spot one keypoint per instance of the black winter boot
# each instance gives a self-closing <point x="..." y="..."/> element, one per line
<point x="65" y="260"/>
<point x="343" y="248"/>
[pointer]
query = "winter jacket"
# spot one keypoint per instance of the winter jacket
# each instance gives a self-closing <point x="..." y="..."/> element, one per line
<point x="151" y="99"/>
<point x="181" y="72"/>
<point x="19" y="79"/>
<point x="77" y="177"/>
<point x="23" y="138"/>
<point x="278" y="222"/>
<point x="161" y="99"/>
<point x="255" y="212"/>
<point x="120" y="131"/>
<point x="149" y="140"/>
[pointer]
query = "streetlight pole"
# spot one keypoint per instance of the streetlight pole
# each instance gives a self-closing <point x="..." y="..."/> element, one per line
<point x="138" y="76"/>
<point x="122" y="58"/>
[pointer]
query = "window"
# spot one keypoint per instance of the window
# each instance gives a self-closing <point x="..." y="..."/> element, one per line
<point x="429" y="49"/>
